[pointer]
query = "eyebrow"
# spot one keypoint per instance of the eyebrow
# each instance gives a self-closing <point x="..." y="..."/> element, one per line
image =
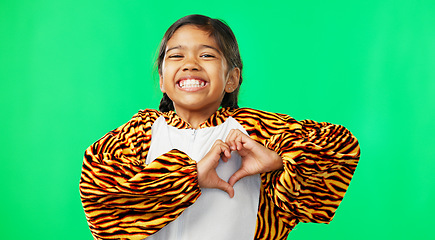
<point x="172" y="48"/>
<point x="208" y="46"/>
<point x="202" y="46"/>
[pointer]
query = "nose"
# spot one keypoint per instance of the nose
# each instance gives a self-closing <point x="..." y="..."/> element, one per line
<point x="191" y="64"/>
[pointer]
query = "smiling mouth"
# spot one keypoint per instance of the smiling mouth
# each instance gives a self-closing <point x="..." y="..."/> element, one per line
<point x="191" y="84"/>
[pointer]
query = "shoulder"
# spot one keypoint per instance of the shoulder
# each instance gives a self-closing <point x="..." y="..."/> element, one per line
<point x="147" y="115"/>
<point x="277" y="120"/>
<point x="266" y="124"/>
<point x="140" y="121"/>
<point x="253" y="115"/>
<point x="138" y="127"/>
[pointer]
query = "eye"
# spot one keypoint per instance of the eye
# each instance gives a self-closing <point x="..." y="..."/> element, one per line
<point x="175" y="56"/>
<point x="207" y="55"/>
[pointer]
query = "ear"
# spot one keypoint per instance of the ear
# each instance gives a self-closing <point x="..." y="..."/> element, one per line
<point x="233" y="80"/>
<point x="162" y="88"/>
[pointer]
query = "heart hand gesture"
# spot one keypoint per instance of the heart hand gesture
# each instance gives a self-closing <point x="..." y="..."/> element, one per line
<point x="207" y="175"/>
<point x="256" y="158"/>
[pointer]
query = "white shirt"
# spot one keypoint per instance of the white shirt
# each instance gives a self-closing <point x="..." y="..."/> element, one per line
<point x="214" y="215"/>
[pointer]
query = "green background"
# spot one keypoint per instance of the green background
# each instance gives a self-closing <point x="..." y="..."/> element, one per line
<point x="71" y="71"/>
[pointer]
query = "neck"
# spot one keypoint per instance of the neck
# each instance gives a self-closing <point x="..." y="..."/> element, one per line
<point x="195" y="118"/>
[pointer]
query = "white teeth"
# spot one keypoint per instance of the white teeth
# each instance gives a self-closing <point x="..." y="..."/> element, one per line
<point x="191" y="83"/>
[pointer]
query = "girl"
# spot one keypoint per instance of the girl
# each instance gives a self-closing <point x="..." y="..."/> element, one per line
<point x="194" y="170"/>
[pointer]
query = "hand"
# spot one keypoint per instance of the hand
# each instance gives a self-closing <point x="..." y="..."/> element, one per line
<point x="207" y="175"/>
<point x="256" y="158"/>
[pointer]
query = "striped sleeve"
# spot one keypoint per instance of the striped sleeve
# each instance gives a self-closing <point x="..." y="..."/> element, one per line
<point x="319" y="162"/>
<point x="125" y="199"/>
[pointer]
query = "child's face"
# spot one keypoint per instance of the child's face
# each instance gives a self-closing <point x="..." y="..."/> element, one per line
<point x="194" y="72"/>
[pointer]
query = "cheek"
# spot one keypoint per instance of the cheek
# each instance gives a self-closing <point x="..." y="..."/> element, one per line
<point x="217" y="70"/>
<point x="168" y="71"/>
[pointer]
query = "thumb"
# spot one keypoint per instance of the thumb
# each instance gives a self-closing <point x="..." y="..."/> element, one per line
<point x="239" y="174"/>
<point x="226" y="187"/>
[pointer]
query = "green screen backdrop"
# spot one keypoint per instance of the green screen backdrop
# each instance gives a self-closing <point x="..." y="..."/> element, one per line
<point x="71" y="71"/>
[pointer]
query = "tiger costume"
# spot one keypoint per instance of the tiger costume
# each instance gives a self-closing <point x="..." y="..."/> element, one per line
<point x="127" y="195"/>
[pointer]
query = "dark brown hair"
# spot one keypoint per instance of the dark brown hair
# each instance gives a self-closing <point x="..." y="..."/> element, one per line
<point x="226" y="42"/>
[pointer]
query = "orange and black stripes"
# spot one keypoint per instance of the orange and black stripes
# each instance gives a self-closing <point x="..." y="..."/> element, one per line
<point x="119" y="192"/>
<point x="124" y="198"/>
<point x="319" y="161"/>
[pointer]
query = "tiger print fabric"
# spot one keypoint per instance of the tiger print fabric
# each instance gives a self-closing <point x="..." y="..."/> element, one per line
<point x="124" y="198"/>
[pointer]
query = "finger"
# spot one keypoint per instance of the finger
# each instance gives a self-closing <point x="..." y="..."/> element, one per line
<point x="226" y="155"/>
<point x="218" y="143"/>
<point x="226" y="187"/>
<point x="219" y="147"/>
<point x="211" y="159"/>
<point x="224" y="158"/>
<point x="239" y="141"/>
<point x="239" y="174"/>
<point x="225" y="151"/>
<point x="243" y="141"/>
<point x="231" y="139"/>
<point x="216" y="148"/>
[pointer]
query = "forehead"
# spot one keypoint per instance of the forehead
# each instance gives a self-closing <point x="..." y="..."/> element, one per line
<point x="191" y="35"/>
